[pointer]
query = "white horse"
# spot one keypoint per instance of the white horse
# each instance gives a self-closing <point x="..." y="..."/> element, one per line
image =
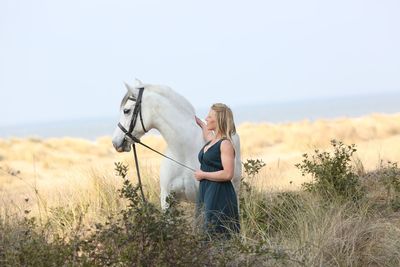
<point x="174" y="117"/>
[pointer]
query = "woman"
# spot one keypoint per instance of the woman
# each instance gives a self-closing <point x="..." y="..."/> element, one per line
<point x="217" y="198"/>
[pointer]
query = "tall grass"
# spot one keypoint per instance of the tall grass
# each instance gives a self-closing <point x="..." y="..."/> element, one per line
<point x="61" y="203"/>
<point x="320" y="229"/>
<point x="278" y="229"/>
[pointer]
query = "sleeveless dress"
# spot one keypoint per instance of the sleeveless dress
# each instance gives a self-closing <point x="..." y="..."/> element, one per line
<point x="216" y="200"/>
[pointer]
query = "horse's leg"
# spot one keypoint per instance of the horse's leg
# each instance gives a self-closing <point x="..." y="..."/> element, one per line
<point x="191" y="189"/>
<point x="163" y="198"/>
<point x="165" y="174"/>
<point x="175" y="186"/>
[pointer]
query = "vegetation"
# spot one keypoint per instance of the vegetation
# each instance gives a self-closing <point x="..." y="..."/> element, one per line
<point x="333" y="175"/>
<point x="342" y="217"/>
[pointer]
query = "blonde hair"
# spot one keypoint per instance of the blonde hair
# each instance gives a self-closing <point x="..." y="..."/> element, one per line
<point x="225" y="123"/>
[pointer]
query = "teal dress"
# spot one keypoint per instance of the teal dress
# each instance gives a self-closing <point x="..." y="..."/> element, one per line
<point x="216" y="200"/>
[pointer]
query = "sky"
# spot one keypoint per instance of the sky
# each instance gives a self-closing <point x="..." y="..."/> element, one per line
<point x="69" y="59"/>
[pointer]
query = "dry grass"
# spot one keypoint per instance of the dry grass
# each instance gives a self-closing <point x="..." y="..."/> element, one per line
<point x="58" y="168"/>
<point x="65" y="180"/>
<point x="281" y="145"/>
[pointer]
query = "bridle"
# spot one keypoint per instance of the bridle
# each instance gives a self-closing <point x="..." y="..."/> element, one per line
<point x="137" y="112"/>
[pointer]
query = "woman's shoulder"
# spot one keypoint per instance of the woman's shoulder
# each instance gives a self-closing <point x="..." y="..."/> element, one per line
<point x="226" y="143"/>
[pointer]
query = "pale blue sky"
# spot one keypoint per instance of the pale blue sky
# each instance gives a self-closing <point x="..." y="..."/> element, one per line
<point x="69" y="59"/>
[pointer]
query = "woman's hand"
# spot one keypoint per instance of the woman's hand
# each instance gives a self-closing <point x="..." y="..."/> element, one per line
<point x="207" y="134"/>
<point x="200" y="122"/>
<point x="199" y="175"/>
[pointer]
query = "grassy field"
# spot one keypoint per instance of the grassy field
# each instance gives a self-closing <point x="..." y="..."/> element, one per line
<point x="66" y="183"/>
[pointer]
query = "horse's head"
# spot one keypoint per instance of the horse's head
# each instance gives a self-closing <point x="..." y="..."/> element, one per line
<point x="135" y="118"/>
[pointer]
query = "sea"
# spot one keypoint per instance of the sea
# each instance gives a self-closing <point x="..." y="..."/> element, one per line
<point x="283" y="112"/>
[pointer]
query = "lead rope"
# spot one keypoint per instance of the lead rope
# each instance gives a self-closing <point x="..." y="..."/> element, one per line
<point x="137" y="162"/>
<point x="138" y="172"/>
<point x="165" y="156"/>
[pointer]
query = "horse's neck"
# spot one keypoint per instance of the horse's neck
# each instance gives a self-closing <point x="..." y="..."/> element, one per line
<point x="179" y="130"/>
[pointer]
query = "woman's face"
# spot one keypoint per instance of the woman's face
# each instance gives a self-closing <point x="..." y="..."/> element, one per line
<point x="211" y="120"/>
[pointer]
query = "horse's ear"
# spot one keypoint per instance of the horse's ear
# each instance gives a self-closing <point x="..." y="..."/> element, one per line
<point x="131" y="89"/>
<point x="138" y="83"/>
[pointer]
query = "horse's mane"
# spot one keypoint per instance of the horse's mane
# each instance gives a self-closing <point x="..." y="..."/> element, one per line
<point x="176" y="99"/>
<point x="166" y="92"/>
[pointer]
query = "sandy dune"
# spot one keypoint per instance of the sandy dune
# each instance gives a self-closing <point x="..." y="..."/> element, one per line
<point x="57" y="166"/>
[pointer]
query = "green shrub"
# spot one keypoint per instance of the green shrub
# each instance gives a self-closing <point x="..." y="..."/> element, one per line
<point x="247" y="194"/>
<point x="333" y="175"/>
<point x="253" y="167"/>
<point x="390" y="178"/>
<point x="23" y="243"/>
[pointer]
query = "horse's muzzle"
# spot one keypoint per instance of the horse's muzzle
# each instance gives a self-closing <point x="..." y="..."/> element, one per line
<point x="123" y="147"/>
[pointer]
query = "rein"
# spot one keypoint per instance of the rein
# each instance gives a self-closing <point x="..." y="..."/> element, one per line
<point x="137" y="111"/>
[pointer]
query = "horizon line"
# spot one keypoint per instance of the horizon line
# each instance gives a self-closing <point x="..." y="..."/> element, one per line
<point x="199" y="108"/>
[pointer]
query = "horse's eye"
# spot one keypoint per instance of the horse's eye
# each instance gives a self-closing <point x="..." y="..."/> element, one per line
<point x="126" y="111"/>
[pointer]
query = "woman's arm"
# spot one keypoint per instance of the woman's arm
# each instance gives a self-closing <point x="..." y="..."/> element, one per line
<point x="228" y="163"/>
<point x="207" y="134"/>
